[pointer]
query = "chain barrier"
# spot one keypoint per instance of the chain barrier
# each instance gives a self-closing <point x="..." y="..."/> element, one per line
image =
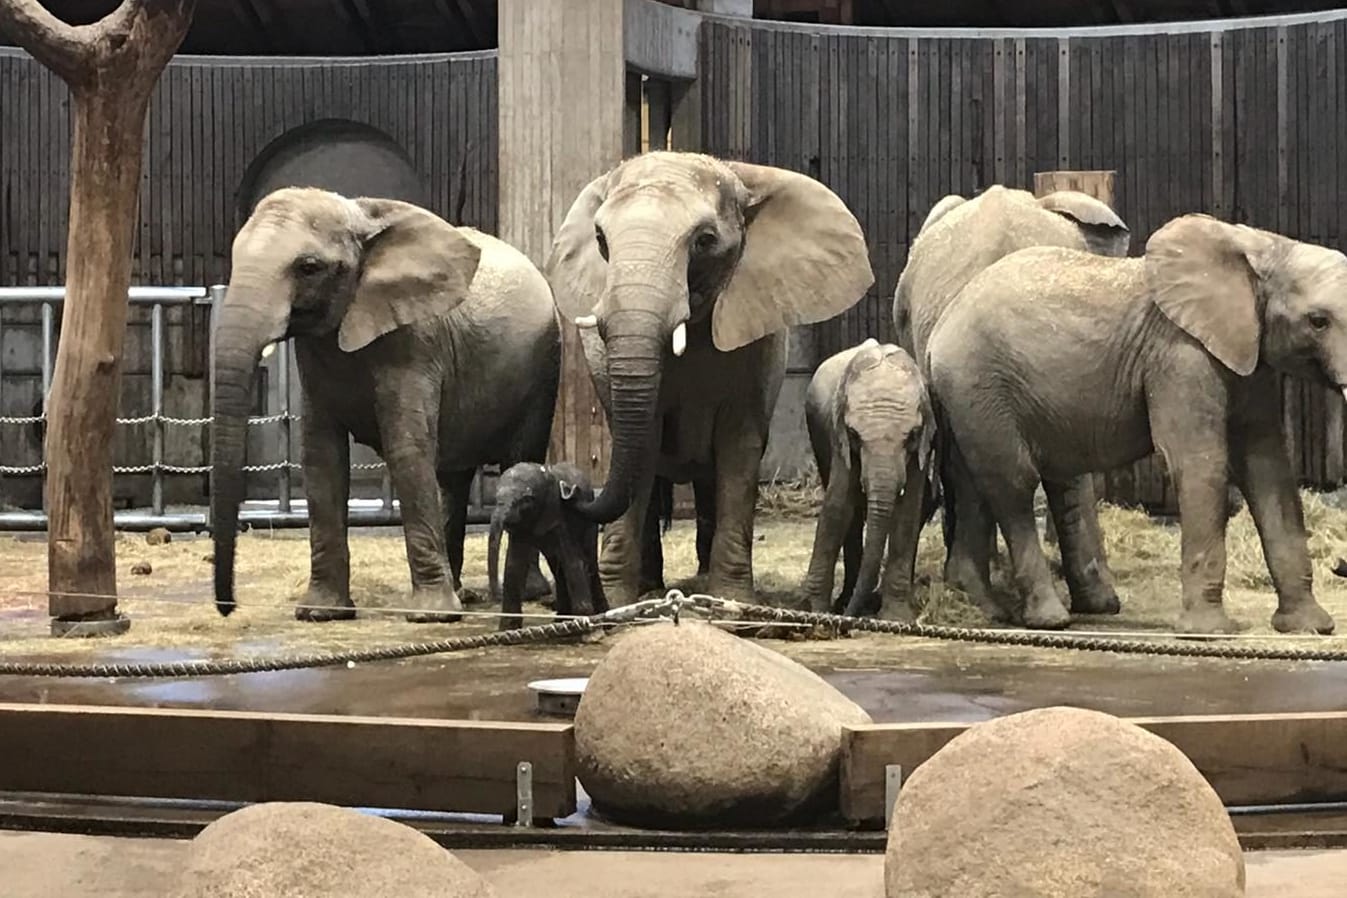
<point x="539" y="633"/>
<point x="670" y="607"/>
<point x="40" y="468"/>
<point x="712" y="606"/>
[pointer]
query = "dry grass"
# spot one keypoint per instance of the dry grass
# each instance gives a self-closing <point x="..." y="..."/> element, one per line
<point x="172" y="611"/>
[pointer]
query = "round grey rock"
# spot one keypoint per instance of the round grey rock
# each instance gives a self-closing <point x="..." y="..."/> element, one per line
<point x="688" y="726"/>
<point x="1060" y="801"/>
<point x="307" y="850"/>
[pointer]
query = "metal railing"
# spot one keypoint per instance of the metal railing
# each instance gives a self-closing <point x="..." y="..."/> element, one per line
<point x="283" y="511"/>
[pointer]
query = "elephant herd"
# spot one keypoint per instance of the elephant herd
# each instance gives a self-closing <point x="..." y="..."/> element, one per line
<point x="1031" y="351"/>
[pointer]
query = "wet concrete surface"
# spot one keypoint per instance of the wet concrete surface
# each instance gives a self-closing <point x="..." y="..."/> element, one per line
<point x="43" y="865"/>
<point x="934" y="682"/>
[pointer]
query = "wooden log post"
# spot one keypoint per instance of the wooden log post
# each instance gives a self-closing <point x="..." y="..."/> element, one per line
<point x="1098" y="184"/>
<point x="111" y="68"/>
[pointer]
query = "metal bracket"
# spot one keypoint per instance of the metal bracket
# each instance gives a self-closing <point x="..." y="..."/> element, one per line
<point x="893" y="782"/>
<point x="524" y="794"/>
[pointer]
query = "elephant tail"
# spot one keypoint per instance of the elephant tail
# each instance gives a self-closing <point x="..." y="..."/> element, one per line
<point x="663" y="495"/>
<point x="940" y="493"/>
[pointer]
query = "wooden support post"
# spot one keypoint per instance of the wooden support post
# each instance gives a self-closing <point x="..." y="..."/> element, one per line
<point x="555" y="57"/>
<point x="111" y="68"/>
<point x="1098" y="184"/>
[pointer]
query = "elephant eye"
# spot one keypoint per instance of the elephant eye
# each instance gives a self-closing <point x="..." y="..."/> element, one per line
<point x="601" y="241"/>
<point x="309" y="265"/>
<point x="1318" y="321"/>
<point x="706" y="241"/>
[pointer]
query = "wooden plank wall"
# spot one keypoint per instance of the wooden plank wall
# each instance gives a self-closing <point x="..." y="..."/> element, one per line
<point x="1245" y="124"/>
<point x="209" y="119"/>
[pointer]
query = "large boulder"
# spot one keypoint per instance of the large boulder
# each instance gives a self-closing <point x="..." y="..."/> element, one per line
<point x="1060" y="801"/>
<point x="304" y="850"/>
<point x="689" y="726"/>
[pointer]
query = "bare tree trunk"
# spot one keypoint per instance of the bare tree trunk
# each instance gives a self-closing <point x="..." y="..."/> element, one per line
<point x="111" y="68"/>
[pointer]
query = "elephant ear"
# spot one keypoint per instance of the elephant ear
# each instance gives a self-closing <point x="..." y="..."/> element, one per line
<point x="574" y="268"/>
<point x="1203" y="274"/>
<point x="1105" y="233"/>
<point x="804" y="258"/>
<point x="416" y="265"/>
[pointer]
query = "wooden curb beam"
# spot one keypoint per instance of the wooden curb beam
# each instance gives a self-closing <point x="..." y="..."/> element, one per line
<point x="241" y="756"/>
<point x="1249" y="759"/>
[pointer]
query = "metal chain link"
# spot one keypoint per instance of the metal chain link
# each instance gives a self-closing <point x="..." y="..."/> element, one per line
<point x="1020" y="638"/>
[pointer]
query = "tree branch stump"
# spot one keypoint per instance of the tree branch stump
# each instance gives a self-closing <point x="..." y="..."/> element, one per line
<point x="111" y="68"/>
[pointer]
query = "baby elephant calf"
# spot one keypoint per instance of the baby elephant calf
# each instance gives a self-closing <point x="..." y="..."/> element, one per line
<point x="530" y="508"/>
<point x="871" y="426"/>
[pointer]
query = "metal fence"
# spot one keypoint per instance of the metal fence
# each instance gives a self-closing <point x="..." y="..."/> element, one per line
<point x="281" y="512"/>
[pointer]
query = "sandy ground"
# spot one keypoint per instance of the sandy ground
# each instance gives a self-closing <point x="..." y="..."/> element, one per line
<point x="49" y="865"/>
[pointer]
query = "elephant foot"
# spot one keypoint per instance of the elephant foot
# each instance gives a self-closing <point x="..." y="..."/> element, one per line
<point x="1307" y="617"/>
<point x="1207" y="619"/>
<point x="619" y="592"/>
<point x="897" y="609"/>
<point x="655" y="585"/>
<point x="1099" y="598"/>
<point x="435" y="605"/>
<point x="320" y="605"/>
<point x="735" y="590"/>
<point x="1046" y="612"/>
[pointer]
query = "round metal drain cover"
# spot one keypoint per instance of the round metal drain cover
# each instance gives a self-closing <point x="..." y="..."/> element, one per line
<point x="559" y="697"/>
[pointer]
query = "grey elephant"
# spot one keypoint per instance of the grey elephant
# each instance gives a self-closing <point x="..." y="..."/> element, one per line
<point x="437" y="346"/>
<point x="684" y="274"/>
<point x="1054" y="362"/>
<point x="871" y="427"/>
<point x="959" y="239"/>
<point x="531" y="507"/>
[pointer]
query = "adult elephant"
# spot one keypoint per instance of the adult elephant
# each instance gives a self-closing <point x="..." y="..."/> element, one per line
<point x="1055" y="362"/>
<point x="684" y="273"/>
<point x="437" y="346"/>
<point x="960" y="238"/>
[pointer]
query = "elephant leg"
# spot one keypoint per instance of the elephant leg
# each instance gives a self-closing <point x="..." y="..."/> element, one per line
<point x="1013" y="507"/>
<point x="567" y="559"/>
<point x="841" y="499"/>
<point x="620" y="560"/>
<point x="704" y="499"/>
<point x="1088" y="580"/>
<point x="652" y="548"/>
<point x="456" y="486"/>
<point x="327" y="487"/>
<point x="1263" y="471"/>
<point x="970" y="538"/>
<point x="896" y="594"/>
<point x="1191" y="438"/>
<point x="586" y="535"/>
<point x="410" y="446"/>
<point x="518" y="558"/>
<point x="738" y="445"/>
<point x="851" y="550"/>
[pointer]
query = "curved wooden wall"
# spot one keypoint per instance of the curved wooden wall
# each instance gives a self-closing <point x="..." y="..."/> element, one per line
<point x="1246" y="120"/>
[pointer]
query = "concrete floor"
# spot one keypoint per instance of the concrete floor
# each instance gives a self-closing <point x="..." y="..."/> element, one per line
<point x="48" y="865"/>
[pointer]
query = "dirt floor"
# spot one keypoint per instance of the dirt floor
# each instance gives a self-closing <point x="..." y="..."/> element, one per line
<point x="171" y="609"/>
<point x="47" y="865"/>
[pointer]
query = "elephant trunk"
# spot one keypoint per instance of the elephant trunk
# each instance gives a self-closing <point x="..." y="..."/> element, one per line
<point x="884" y="483"/>
<point x="635" y="347"/>
<point x="245" y="326"/>
<point x="493" y="554"/>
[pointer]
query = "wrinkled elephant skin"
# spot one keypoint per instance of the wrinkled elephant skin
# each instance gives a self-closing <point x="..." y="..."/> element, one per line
<point x="436" y="346"/>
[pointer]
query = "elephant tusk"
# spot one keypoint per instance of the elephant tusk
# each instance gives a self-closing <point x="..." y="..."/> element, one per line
<point x="587" y="321"/>
<point x="1344" y="393"/>
<point x="680" y="339"/>
<point x="268" y="350"/>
